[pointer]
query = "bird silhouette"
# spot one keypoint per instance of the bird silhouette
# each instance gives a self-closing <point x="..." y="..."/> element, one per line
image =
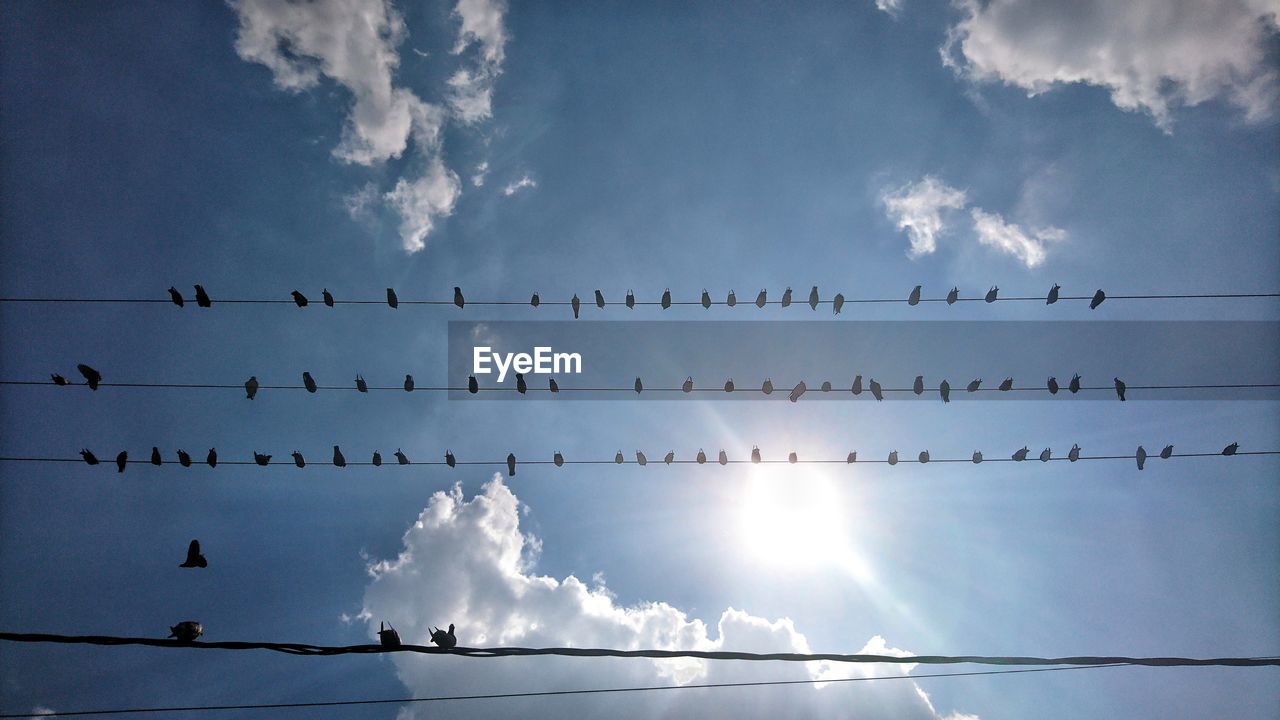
<point x="1141" y="456"/>
<point x="728" y="385"/>
<point x="914" y="298"/>
<point x="875" y="390"/>
<point x="918" y="386"/>
<point x="521" y="386"/>
<point x="401" y="458"/>
<point x="251" y="387"/>
<point x="473" y="386"/>
<point x="639" y="386"/>
<point x="377" y="459"/>
<point x="121" y="460"/>
<point x="826" y="386"/>
<point x="175" y="296"/>
<point x="392" y="300"/>
<point x="670" y="457"/>
<point x="924" y="456"/>
<point x="641" y="459"/>
<point x="1231" y="449"/>
<point x="309" y="382"/>
<point x="761" y="299"/>
<point x="797" y="391"/>
<point x="755" y="454"/>
<point x="688" y="385"/>
<point x="837" y="303"/>
<point x="1074" y="454"/>
<point x="1119" y="388"/>
<point x="953" y="296"/>
<point x="1045" y="454"/>
<point x="194" y="558"/>
<point x="298" y="460"/>
<point x="552" y="386"/>
<point x="666" y="298"/>
<point x="1167" y="452"/>
<point x="361" y="385"/>
<point x="893" y="457"/>
<point x="766" y="387"/>
<point x="299" y="299"/>
<point x="408" y="383"/>
<point x="457" y="297"/>
<point x="535" y="300"/>
<point x="1007" y="385"/>
<point x="702" y="457"/>
<point x="857" y="385"/>
<point x="186" y="631"/>
<point x="599" y="299"/>
<point x="1074" y="387"/>
<point x="155" y="456"/>
<point x="1098" y="297"/>
<point x="212" y="458"/>
<point x="813" y="298"/>
<point x="328" y="297"/>
<point x="202" y="297"/>
<point x="184" y="459"/>
<point x="991" y="294"/>
<point x="786" y="297"/>
<point x="853" y="458"/>
<point x="58" y="379"/>
<point x="1052" y="384"/>
<point x="723" y="459"/>
<point x="977" y="457"/>
<point x="944" y="390"/>
<point x="1053" y="294"/>
<point x="511" y="464"/>
<point x="792" y="458"/>
<point x="446" y="640"/>
<point x="973" y="385"/>
<point x="91" y="377"/>
<point x="338" y="459"/>
<point x="388" y="637"/>
<point x="706" y="299"/>
<point x="260" y="458"/>
<point x="558" y="459"/>
<point x="1021" y="454"/>
<point x="576" y="304"/>
<point x="631" y="300"/>
<point x="618" y="459"/>
<point x="731" y="300"/>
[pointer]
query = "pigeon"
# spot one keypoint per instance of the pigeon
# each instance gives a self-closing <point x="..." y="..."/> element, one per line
<point x="298" y="460"/>
<point x="401" y="458"/>
<point x="1231" y="449"/>
<point x="91" y="377"/>
<point x="1021" y="454"/>
<point x="155" y="456"/>
<point x="857" y="385"/>
<point x="618" y="459"/>
<point x="924" y="456"/>
<point x="991" y="294"/>
<point x="723" y="459"/>
<point x="392" y="300"/>
<point x="309" y="382"/>
<point x="511" y="464"/>
<point x="837" y="303"/>
<point x="194" y="558"/>
<point x="669" y="457"/>
<point x="1053" y="294"/>
<point x="893" y="458"/>
<point x="702" y="457"/>
<point x="797" y="391"/>
<point x="914" y="298"/>
<point x="875" y="390"/>
<point x="755" y="454"/>
<point x="457" y="297"/>
<point x="361" y="385"/>
<point x="631" y="300"/>
<point x="639" y="386"/>
<point x="918" y="386"/>
<point x="521" y="386"/>
<point x="558" y="459"/>
<point x="1045" y="454"/>
<point x="1074" y="387"/>
<point x="202" y="297"/>
<point x="121" y="460"/>
<point x="175" y="296"/>
<point x="826" y="386"/>
<point x="576" y="304"/>
<point x="1074" y="454"/>
<point x="813" y="298"/>
<point x="473" y="385"/>
<point x="953" y="296"/>
<point x="212" y="458"/>
<point x="1141" y="456"/>
<point x="666" y="299"/>
<point x="728" y="385"/>
<point x="1167" y="452"/>
<point x="251" y="387"/>
<point x="88" y="457"/>
<point x="760" y="299"/>
<point x="1098" y="297"/>
<point x="328" y="297"/>
<point x="641" y="459"/>
<point x="977" y="456"/>
<point x="1120" y="388"/>
<point x="600" y="300"/>
<point x="688" y="385"/>
<point x="260" y="458"/>
<point x="944" y="390"/>
<point x="1053" y="386"/>
<point x="973" y="385"/>
<point x="446" y="640"/>
<point x="186" y="631"/>
<point x="706" y="299"/>
<point x="338" y="459"/>
<point x="853" y="458"/>
<point x="552" y="386"/>
<point x="767" y="387"/>
<point x="388" y="637"/>
<point x="731" y="300"/>
<point x="535" y="300"/>
<point x="184" y="459"/>
<point x="786" y="298"/>
<point x="792" y="458"/>
<point x="58" y="379"/>
<point x="408" y="383"/>
<point x="377" y="459"/>
<point x="1007" y="385"/>
<point x="299" y="299"/>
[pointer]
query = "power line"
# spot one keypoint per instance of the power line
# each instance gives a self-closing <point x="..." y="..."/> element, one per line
<point x="549" y="693"/>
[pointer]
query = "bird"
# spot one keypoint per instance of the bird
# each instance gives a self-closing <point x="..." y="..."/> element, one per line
<point x="576" y="304"/>
<point x="792" y="458"/>
<point x="702" y="457"/>
<point x="977" y="457"/>
<point x="599" y="299"/>
<point x="837" y="303"/>
<point x="953" y="296"/>
<point x="723" y="459"/>
<point x="392" y="300"/>
<point x="58" y="379"/>
<point x="1053" y="385"/>
<point x="552" y="386"/>
<point x="558" y="459"/>
<point x="1141" y="456"/>
<point x="1021" y="454"/>
<point x="328" y="297"/>
<point x="473" y="385"/>
<point x="760" y="299"/>
<point x="786" y="297"/>
<point x="857" y="385"/>
<point x="666" y="298"/>
<point x="260" y="458"/>
<point x="457" y="297"/>
<point x="813" y="298"/>
<point x="875" y="390"/>
<point x="298" y="460"/>
<point x="401" y="458"/>
<point x="728" y="385"/>
<point x="377" y="459"/>
<point x="175" y="296"/>
<point x="388" y="637"/>
<point x="1098" y="297"/>
<point x="202" y="297"/>
<point x="408" y="383"/>
<point x="1007" y="385"/>
<point x="973" y="385"/>
<point x="155" y="456"/>
<point x="338" y="459"/>
<point x="121" y="460"/>
<point x="88" y="457"/>
<point x="944" y="390"/>
<point x="797" y="391"/>
<point x="767" y="387"/>
<point x="924" y="456"/>
<point x="618" y="459"/>
<point x="361" y="385"/>
<point x="914" y="297"/>
<point x="212" y="458"/>
<point x="186" y="631"/>
<point x="688" y="385"/>
<point x="853" y="458"/>
<point x="826" y="386"/>
<point x="918" y="386"/>
<point x="446" y="640"/>
<point x="641" y="459"/>
<point x="521" y="386"/>
<point x="194" y="558"/>
<point x="1167" y="452"/>
<point x="1074" y="454"/>
<point x="1074" y="387"/>
<point x="631" y="300"/>
<point x="309" y="382"/>
<point x="251" y="387"/>
<point x="893" y="457"/>
<point x="755" y="454"/>
<point x="1119" y="388"/>
<point x="535" y="300"/>
<point x="1045" y="454"/>
<point x="706" y="299"/>
<point x="639" y="386"/>
<point x="184" y="459"/>
<point x="511" y="464"/>
<point x="299" y="299"/>
<point x="1053" y="294"/>
<point x="991" y="294"/>
<point x="731" y="300"/>
<point x="1231" y="449"/>
<point x="670" y="457"/>
<point x="91" y="377"/>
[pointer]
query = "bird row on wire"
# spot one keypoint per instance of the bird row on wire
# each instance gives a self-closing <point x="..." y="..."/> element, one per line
<point x="762" y="299"/>
<point x="339" y="460"/>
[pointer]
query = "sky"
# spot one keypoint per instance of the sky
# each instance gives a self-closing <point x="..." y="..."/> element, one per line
<point x="508" y="148"/>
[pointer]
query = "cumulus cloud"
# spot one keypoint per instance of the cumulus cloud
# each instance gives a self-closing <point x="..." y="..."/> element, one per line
<point x="467" y="562"/>
<point x="420" y="201"/>
<point x="918" y="208"/>
<point x="471" y="89"/>
<point x="1027" y="246"/>
<point x="1152" y="55"/>
<point x="514" y="187"/>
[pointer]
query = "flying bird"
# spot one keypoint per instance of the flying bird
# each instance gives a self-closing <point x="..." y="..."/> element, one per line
<point x="186" y="631"/>
<point x="977" y="457"/>
<point x="202" y="297"/>
<point x="732" y="300"/>
<point x="1074" y="387"/>
<point x="392" y="300"/>
<point x="361" y="385"/>
<point x="670" y="457"/>
<point x="457" y="297"/>
<point x="1141" y="456"/>
<point x="641" y="459"/>
<point x="893" y="458"/>
<point x="918" y="386"/>
<point x="792" y="458"/>
<point x="558" y="459"/>
<point x="1021" y="454"/>
<point x="618" y="459"/>
<point x="702" y="457"/>
<point x="914" y="297"/>
<point x="309" y="382"/>
<point x="853" y="458"/>
<point x="298" y="460"/>
<point x="121" y="460"/>
<point x="175" y="296"/>
<point x="408" y="383"/>
<point x="857" y="385"/>
<point x="521" y="386"/>
<point x="511" y="464"/>
<point x="1119" y="388"/>
<point x="924" y="456"/>
<point x="991" y="294"/>
<point x="299" y="299"/>
<point x="184" y="459"/>
<point x="813" y="298"/>
<point x="401" y="458"/>
<point x="875" y="390"/>
<point x="1098" y="297"/>
<point x="88" y="457"/>
<point x="723" y="458"/>
<point x="797" y="391"/>
<point x="1231" y="449"/>
<point x="338" y="459"/>
<point x="328" y="297"/>
<point x="599" y="299"/>
<point x="576" y="304"/>
<point x="212" y="458"/>
<point x="755" y="454"/>
<point x="767" y="387"/>
<point x="1053" y="294"/>
<point x="473" y="386"/>
<point x="377" y="459"/>
<point x="837" y="303"/>
<point x="1053" y="386"/>
<point x="760" y="299"/>
<point x="58" y="379"/>
<point x="639" y="386"/>
<point x="251" y="387"/>
<point x="953" y="296"/>
<point x="688" y="385"/>
<point x="1167" y="452"/>
<point x="944" y="390"/>
<point x="446" y="640"/>
<point x="1074" y="455"/>
<point x="666" y="298"/>
<point x="631" y="300"/>
<point x="91" y="377"/>
<point x="155" y="456"/>
<point x="194" y="558"/>
<point x="1045" y="454"/>
<point x="1007" y="385"/>
<point x="728" y="385"/>
<point x="973" y="385"/>
<point x="706" y="299"/>
<point x="552" y="386"/>
<point x="535" y="300"/>
<point x="260" y="458"/>
<point x="388" y="637"/>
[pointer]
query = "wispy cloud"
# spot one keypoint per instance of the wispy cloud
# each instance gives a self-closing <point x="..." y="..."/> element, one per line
<point x="918" y="208"/>
<point x="1027" y="246"/>
<point x="892" y="7"/>
<point x="478" y="177"/>
<point x="515" y="187"/>
<point x="471" y="89"/>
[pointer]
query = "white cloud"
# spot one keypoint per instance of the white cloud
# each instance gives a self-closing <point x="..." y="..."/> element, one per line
<point x="420" y="201"/>
<point x="518" y="185"/>
<point x="42" y="710"/>
<point x="1028" y="247"/>
<point x="467" y="562"/>
<point x="1152" y="55"/>
<point x="893" y="7"/>
<point x="471" y="89"/>
<point x="481" y="171"/>
<point x="917" y="208"/>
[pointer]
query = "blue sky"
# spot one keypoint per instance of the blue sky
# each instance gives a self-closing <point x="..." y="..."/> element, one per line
<point x="356" y="145"/>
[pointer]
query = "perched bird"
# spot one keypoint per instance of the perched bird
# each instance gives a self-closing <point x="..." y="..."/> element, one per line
<point x="792" y="458"/>
<point x="1007" y="385"/>
<point x="924" y="456"/>
<point x="723" y="458"/>
<point x="338" y="459"/>
<point x="576" y="304"/>
<point x="918" y="386"/>
<point x="1074" y="455"/>
<point x="535" y="300"/>
<point x="1053" y="385"/>
<point x="767" y="387"/>
<point x="688" y="385"/>
<point x="194" y="558"/>
<point x="666" y="298"/>
<point x="184" y="459"/>
<point x="853" y="458"/>
<point x="670" y="457"/>
<point x="857" y="385"/>
<point x="731" y="300"/>
<point x="1120" y="388"/>
<point x="977" y="457"/>
<point x="155" y="456"/>
<point x="599" y="299"/>
<point x="755" y="454"/>
<point x="408" y="383"/>
<point x="309" y="382"/>
<point x="299" y="299"/>
<point x="58" y="379"/>
<point x="1021" y="454"/>
<point x="298" y="460"/>
<point x="473" y="385"/>
<point x="953" y="296"/>
<point x="893" y="458"/>
<point x="631" y="300"/>
<point x="618" y="459"/>
<point x="377" y="459"/>
<point x="786" y="298"/>
<point x="826" y="386"/>
<point x="706" y="299"/>
<point x="813" y="298"/>
<point x="202" y="297"/>
<point x="88" y="457"/>
<point x="91" y="377"/>
<point x="914" y="297"/>
<point x="388" y="637"/>
<point x="1231" y="449"/>
<point x="186" y="631"/>
<point x="361" y="385"/>
<point x="328" y="297"/>
<point x="728" y="385"/>
<point x="702" y="457"/>
<point x="944" y="390"/>
<point x="251" y="387"/>
<point x="837" y="303"/>
<point x="1045" y="454"/>
<point x="1167" y="452"/>
<point x="521" y="385"/>
<point x="552" y="386"/>
<point x="1098" y="297"/>
<point x="511" y="464"/>
<point x="991" y="294"/>
<point x="446" y="640"/>
<point x="392" y="300"/>
<point x="1053" y="294"/>
<point x="973" y="385"/>
<point x="797" y="391"/>
<point x="401" y="458"/>
<point x="1141" y="456"/>
<point x="1074" y="387"/>
<point x="875" y="390"/>
<point x="457" y="297"/>
<point x="121" y="460"/>
<point x="760" y="299"/>
<point x="639" y="386"/>
<point x="641" y="459"/>
<point x="175" y="296"/>
<point x="260" y="458"/>
<point x="558" y="459"/>
<point x="212" y="457"/>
